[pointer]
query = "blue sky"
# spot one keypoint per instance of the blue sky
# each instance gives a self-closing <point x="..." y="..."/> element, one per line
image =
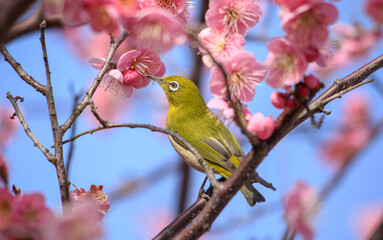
<point x="110" y="158"/>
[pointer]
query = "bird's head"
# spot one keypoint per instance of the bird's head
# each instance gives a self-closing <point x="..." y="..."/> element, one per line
<point x="180" y="91"/>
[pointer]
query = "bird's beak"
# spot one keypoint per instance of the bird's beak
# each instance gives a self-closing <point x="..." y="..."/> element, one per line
<point x="155" y="78"/>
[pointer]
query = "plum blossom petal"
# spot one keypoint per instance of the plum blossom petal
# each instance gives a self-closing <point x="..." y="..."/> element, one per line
<point x="286" y="63"/>
<point x="244" y="72"/>
<point x="279" y="100"/>
<point x="226" y="110"/>
<point x="374" y="9"/>
<point x="307" y="25"/>
<point x="155" y="27"/>
<point x="220" y="44"/>
<point x="298" y="204"/>
<point x="234" y="16"/>
<point x="178" y="8"/>
<point x="97" y="63"/>
<point x="262" y="127"/>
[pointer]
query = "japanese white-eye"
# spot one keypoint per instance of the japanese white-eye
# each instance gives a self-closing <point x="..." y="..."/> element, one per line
<point x="190" y="117"/>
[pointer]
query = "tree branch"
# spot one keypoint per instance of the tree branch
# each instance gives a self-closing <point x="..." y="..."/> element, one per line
<point x="27" y="130"/>
<point x="20" y="71"/>
<point x="152" y="128"/>
<point x="89" y="94"/>
<point x="10" y="11"/>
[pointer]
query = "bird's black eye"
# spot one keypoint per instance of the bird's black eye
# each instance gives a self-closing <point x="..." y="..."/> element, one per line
<point x="174" y="86"/>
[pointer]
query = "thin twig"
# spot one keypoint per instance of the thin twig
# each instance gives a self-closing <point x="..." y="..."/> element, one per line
<point x="27" y="130"/>
<point x="89" y="94"/>
<point x="20" y="71"/>
<point x="152" y="128"/>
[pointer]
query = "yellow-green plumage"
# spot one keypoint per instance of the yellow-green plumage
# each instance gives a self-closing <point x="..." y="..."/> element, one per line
<point x="191" y="118"/>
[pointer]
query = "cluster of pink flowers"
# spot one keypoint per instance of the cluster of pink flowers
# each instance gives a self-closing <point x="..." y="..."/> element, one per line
<point x="306" y="25"/>
<point x="351" y="135"/>
<point x="26" y="216"/>
<point x="223" y="41"/>
<point x="228" y="22"/>
<point x="132" y="67"/>
<point x="152" y="23"/>
<point x="299" y="207"/>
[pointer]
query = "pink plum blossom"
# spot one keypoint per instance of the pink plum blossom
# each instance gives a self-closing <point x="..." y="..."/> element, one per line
<point x="243" y="73"/>
<point x="307" y="25"/>
<point x="100" y="14"/>
<point x="226" y="110"/>
<point x="299" y="207"/>
<point x="286" y="63"/>
<point x="95" y="195"/>
<point x="374" y="9"/>
<point x="178" y="8"/>
<point x="279" y="100"/>
<point x="262" y="127"/>
<point x="220" y="44"/>
<point x="132" y="67"/>
<point x="155" y="27"/>
<point x="233" y="16"/>
<point x="294" y="4"/>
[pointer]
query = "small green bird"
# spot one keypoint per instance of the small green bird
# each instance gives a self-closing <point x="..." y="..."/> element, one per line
<point x="192" y="119"/>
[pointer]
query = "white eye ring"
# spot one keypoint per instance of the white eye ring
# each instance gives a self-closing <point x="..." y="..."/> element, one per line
<point x="173" y="86"/>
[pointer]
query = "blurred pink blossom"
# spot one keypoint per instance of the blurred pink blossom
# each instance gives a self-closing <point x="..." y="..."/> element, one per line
<point x="29" y="216"/>
<point x="299" y="206"/>
<point x="6" y="202"/>
<point x="102" y="15"/>
<point x="81" y="223"/>
<point x="244" y="72"/>
<point x="294" y="4"/>
<point x="262" y="127"/>
<point x="351" y="135"/>
<point x="233" y="16"/>
<point x="226" y="110"/>
<point x="3" y="170"/>
<point x="8" y="126"/>
<point x="286" y="63"/>
<point x="155" y="27"/>
<point x="220" y="44"/>
<point x="374" y="9"/>
<point x="307" y="24"/>
<point x="368" y="220"/>
<point x="132" y="67"/>
<point x="353" y="42"/>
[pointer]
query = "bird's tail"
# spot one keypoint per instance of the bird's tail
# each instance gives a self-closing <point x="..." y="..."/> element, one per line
<point x="251" y="194"/>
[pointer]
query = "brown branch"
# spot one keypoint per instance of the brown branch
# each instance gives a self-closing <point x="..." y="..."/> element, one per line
<point x="32" y="24"/>
<point x="287" y="121"/>
<point x="27" y="130"/>
<point x="20" y="71"/>
<point x="89" y="94"/>
<point x="10" y="11"/>
<point x="56" y="130"/>
<point x="152" y="128"/>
